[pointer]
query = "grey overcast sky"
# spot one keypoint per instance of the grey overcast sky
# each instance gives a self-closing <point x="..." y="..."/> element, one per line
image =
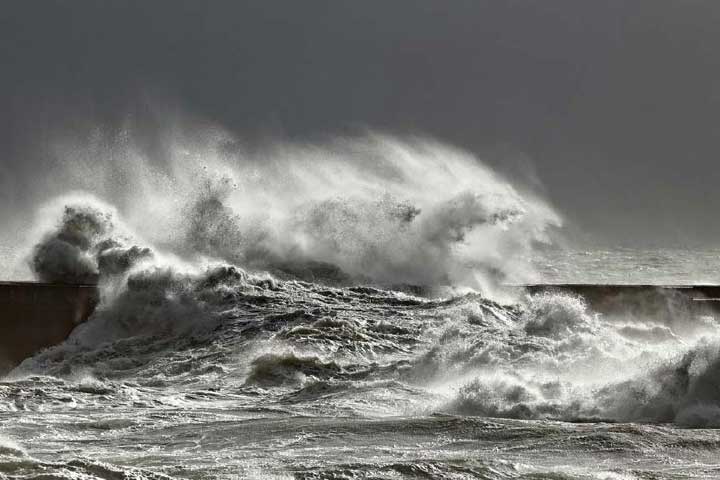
<point x="614" y="104"/>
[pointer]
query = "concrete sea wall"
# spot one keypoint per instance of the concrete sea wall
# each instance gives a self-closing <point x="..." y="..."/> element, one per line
<point x="658" y="301"/>
<point x="34" y="316"/>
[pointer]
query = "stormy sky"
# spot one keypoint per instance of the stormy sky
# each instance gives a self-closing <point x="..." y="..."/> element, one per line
<point x="614" y="106"/>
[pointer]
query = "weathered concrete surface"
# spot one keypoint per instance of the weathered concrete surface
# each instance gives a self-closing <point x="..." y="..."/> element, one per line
<point x="642" y="300"/>
<point x="34" y="316"/>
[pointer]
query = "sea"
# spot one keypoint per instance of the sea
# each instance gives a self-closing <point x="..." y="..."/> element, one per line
<point x="363" y="336"/>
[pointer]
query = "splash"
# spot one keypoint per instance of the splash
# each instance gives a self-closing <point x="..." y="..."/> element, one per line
<point x="372" y="209"/>
<point x="560" y="360"/>
<point x="65" y="255"/>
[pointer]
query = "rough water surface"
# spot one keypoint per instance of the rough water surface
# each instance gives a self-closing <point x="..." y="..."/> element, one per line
<point x="288" y="379"/>
<point x="307" y="318"/>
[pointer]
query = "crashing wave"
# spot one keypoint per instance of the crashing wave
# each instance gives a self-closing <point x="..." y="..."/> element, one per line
<point x="270" y="279"/>
<point x="370" y="209"/>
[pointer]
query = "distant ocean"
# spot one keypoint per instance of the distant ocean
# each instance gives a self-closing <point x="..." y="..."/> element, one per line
<point x="675" y="266"/>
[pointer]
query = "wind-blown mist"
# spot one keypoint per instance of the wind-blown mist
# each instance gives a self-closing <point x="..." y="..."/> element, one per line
<point x="371" y="209"/>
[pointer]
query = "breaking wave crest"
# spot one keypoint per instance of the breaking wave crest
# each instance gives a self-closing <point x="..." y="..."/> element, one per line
<point x="290" y="281"/>
<point x="571" y="364"/>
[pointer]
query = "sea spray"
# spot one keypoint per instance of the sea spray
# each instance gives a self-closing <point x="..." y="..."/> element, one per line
<point x="65" y="255"/>
<point x="371" y="209"/>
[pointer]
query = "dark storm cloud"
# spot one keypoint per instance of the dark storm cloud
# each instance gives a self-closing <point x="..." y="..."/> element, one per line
<point x="617" y="103"/>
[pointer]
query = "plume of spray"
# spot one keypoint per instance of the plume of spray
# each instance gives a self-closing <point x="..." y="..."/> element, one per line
<point x="81" y="240"/>
<point x="144" y="291"/>
<point x="367" y="209"/>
